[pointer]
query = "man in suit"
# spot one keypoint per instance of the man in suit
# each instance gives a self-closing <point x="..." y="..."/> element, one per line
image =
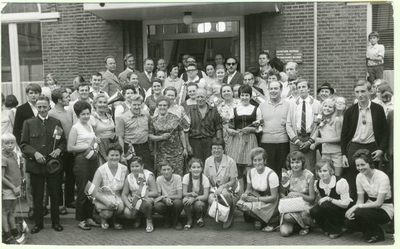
<point x="233" y="77"/>
<point x="43" y="139"/>
<point x="147" y="75"/>
<point x="130" y="63"/>
<point x="110" y="83"/>
<point x="364" y="127"/>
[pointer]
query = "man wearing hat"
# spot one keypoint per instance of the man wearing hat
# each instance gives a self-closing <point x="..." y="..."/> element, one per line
<point x="325" y="91"/>
<point x="42" y="142"/>
<point x="130" y="63"/>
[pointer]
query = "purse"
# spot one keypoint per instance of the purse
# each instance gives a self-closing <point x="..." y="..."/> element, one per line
<point x="103" y="198"/>
<point x="219" y="211"/>
<point x="292" y="205"/>
<point x="92" y="151"/>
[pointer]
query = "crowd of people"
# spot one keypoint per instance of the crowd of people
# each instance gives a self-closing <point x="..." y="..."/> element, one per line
<point x="174" y="138"/>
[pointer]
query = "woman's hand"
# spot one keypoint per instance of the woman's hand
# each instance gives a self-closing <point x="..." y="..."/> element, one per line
<point x="233" y="132"/>
<point x="243" y="197"/>
<point x="247" y="130"/>
<point x="188" y="201"/>
<point x="350" y="213"/>
<point x="166" y="136"/>
<point x="323" y="199"/>
<point x="168" y="201"/>
<point x="252" y="199"/>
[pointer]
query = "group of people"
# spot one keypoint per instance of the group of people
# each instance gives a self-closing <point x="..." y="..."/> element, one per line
<point x="166" y="140"/>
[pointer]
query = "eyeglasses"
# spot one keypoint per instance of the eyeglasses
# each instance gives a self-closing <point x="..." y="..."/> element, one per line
<point x="231" y="64"/>
<point x="190" y="61"/>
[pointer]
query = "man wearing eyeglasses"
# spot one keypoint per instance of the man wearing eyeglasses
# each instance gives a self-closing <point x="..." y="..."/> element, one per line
<point x="233" y="77"/>
<point x="364" y="127"/>
<point x="191" y="60"/>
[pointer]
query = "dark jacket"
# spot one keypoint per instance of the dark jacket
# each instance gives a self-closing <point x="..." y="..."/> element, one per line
<point x="23" y="113"/>
<point x="237" y="79"/>
<point x="144" y="81"/>
<point x="38" y="137"/>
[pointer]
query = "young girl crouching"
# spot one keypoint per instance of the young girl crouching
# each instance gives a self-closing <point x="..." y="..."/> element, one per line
<point x="196" y="188"/>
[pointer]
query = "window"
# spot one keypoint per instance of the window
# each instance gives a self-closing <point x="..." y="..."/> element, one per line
<point x="382" y="22"/>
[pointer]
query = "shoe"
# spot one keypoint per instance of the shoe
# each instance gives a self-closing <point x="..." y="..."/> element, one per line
<point x="117" y="226"/>
<point x="187" y="227"/>
<point x="92" y="223"/>
<point x="82" y="225"/>
<point x="374" y="239"/>
<point x="150" y="227"/>
<point x="10" y="241"/>
<point x="104" y="225"/>
<point x="200" y="222"/>
<point x="326" y="233"/>
<point x="178" y="226"/>
<point x="167" y="223"/>
<point x="137" y="223"/>
<point x="304" y="231"/>
<point x="56" y="226"/>
<point x="63" y="211"/>
<point x="257" y="225"/>
<point x="45" y="211"/>
<point x="334" y="236"/>
<point x="36" y="229"/>
<point x="269" y="229"/>
<point x="30" y="213"/>
<point x="70" y="205"/>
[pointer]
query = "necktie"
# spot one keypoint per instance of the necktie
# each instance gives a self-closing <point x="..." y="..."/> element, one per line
<point x="149" y="76"/>
<point x="303" y="119"/>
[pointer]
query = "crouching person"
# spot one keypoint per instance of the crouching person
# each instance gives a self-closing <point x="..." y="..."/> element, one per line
<point x="169" y="203"/>
<point x="139" y="193"/>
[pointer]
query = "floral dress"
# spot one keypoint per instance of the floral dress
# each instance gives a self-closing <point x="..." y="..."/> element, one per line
<point x="295" y="186"/>
<point x="172" y="148"/>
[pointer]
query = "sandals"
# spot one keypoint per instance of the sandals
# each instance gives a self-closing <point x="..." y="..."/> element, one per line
<point x="149" y="227"/>
<point x="257" y="225"/>
<point x="104" y="224"/>
<point x="187" y="227"/>
<point x="137" y="223"/>
<point x="200" y="222"/>
<point x="270" y="229"/>
<point x="304" y="231"/>
<point x="117" y="226"/>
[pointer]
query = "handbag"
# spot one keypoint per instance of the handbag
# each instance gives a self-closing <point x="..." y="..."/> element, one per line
<point x="292" y="205"/>
<point x="103" y="198"/>
<point x="219" y="211"/>
<point x="91" y="152"/>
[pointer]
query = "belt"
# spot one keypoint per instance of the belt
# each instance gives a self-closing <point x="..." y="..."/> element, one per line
<point x="201" y="138"/>
<point x="305" y="135"/>
<point x="363" y="144"/>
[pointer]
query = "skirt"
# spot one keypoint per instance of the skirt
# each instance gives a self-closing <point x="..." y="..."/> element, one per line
<point x="239" y="147"/>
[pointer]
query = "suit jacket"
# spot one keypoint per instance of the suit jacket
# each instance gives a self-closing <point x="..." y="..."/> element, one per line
<point x="144" y="81"/>
<point x="23" y="113"/>
<point x="123" y="77"/>
<point x="38" y="137"/>
<point x="379" y="124"/>
<point x="110" y="83"/>
<point x="237" y="79"/>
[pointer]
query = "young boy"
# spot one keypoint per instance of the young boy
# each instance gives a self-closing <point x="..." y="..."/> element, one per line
<point x="375" y="55"/>
<point x="169" y="203"/>
<point x="11" y="181"/>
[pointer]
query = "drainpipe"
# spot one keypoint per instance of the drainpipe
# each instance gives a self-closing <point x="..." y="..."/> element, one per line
<point x="315" y="48"/>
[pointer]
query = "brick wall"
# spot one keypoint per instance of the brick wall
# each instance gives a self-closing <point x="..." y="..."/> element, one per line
<point x="341" y="40"/>
<point x="78" y="43"/>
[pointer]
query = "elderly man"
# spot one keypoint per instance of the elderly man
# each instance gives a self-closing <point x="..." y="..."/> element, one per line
<point x="110" y="83"/>
<point x="274" y="138"/>
<point x="325" y="91"/>
<point x="161" y="65"/>
<point x="147" y="75"/>
<point x="301" y="122"/>
<point x="130" y="63"/>
<point x="42" y="140"/>
<point x="205" y="124"/>
<point x="233" y="77"/>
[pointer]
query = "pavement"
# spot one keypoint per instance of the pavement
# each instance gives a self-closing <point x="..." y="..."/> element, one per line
<point x="212" y="234"/>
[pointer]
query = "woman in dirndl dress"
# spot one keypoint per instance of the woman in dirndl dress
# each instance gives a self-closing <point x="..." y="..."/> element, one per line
<point x="260" y="200"/>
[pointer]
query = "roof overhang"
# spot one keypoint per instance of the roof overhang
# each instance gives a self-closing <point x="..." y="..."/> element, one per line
<point x="159" y="11"/>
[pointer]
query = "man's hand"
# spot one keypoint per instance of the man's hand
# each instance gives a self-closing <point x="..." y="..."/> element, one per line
<point x="40" y="158"/>
<point x="345" y="162"/>
<point x="56" y="153"/>
<point x="189" y="150"/>
<point x="376" y="155"/>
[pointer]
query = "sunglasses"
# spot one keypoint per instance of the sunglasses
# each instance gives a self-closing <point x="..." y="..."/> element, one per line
<point x="231" y="64"/>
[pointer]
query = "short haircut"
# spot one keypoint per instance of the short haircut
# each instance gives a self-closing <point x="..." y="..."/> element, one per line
<point x="362" y="83"/>
<point x="99" y="96"/>
<point x="164" y="163"/>
<point x="43" y="97"/>
<point x="57" y="94"/>
<point x="248" y="73"/>
<point x="245" y="89"/>
<point x="373" y="33"/>
<point x="226" y="85"/>
<point x="365" y="155"/>
<point x="222" y="55"/>
<point x="219" y="66"/>
<point x="137" y="159"/>
<point x="276" y="64"/>
<point x="274" y="72"/>
<point x="128" y="75"/>
<point x="8" y="137"/>
<point x="218" y="141"/>
<point x="170" y="67"/>
<point x="163" y="98"/>
<point x="170" y="88"/>
<point x="109" y="57"/>
<point x="209" y="63"/>
<point x="301" y="80"/>
<point x="296" y="155"/>
<point x="114" y="146"/>
<point x="192" y="84"/>
<point x="321" y="163"/>
<point x="53" y="77"/>
<point x="264" y="52"/>
<point x="195" y="160"/>
<point x="127" y="87"/>
<point x="33" y="87"/>
<point x="127" y="56"/>
<point x="160" y="59"/>
<point x="257" y="151"/>
<point x="80" y="106"/>
<point x="147" y="59"/>
<point x="83" y="84"/>
<point x="137" y="97"/>
<point x="226" y="61"/>
<point x="97" y="74"/>
<point x="156" y="80"/>
<point x="296" y="66"/>
<point x="280" y="83"/>
<point x="11" y="101"/>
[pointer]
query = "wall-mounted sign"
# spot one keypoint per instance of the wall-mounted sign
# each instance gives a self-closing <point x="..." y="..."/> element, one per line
<point x="287" y="55"/>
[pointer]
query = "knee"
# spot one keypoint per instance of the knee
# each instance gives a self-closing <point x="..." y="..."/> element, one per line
<point x="360" y="213"/>
<point x="287" y="217"/>
<point x="178" y="203"/>
<point x="198" y="205"/>
<point x="285" y="230"/>
<point x="314" y="212"/>
<point x="129" y="214"/>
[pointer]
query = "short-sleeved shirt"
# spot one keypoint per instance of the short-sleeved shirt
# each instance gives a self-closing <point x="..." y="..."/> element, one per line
<point x="114" y="182"/>
<point x="171" y="187"/>
<point x="12" y="172"/>
<point x="225" y="172"/>
<point x="375" y="50"/>
<point x="133" y="182"/>
<point x="206" y="127"/>
<point x="134" y="128"/>
<point x="196" y="182"/>
<point x="259" y="181"/>
<point x="379" y="184"/>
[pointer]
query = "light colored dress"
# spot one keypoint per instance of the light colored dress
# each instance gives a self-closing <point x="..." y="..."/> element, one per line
<point x="114" y="182"/>
<point x="105" y="130"/>
<point x="6" y="126"/>
<point x="295" y="186"/>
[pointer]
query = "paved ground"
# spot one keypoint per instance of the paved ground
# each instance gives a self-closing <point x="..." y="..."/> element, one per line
<point x="211" y="234"/>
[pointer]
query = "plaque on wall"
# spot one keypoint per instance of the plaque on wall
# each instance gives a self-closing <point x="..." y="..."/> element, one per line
<point x="286" y="55"/>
